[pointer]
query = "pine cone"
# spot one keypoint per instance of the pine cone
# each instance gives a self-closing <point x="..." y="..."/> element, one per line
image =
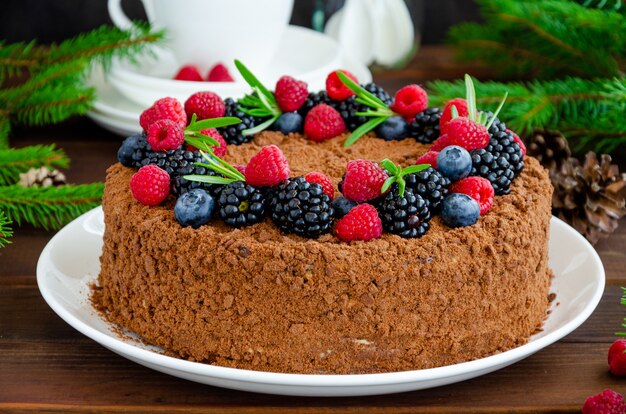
<point x="591" y="197"/>
<point x="42" y="177"/>
<point x="550" y="148"/>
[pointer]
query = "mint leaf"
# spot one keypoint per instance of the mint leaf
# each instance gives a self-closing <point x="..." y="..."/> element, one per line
<point x="212" y="123"/>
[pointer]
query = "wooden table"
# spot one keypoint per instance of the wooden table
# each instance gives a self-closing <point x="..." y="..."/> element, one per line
<point x="45" y="365"/>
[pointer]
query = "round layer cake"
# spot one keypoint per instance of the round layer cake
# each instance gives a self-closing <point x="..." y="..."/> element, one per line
<point x="256" y="298"/>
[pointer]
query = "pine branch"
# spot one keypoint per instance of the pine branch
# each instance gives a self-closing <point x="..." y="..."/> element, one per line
<point x="5" y="129"/>
<point x="49" y="207"/>
<point x="54" y="104"/>
<point x="5" y="229"/>
<point x="19" y="160"/>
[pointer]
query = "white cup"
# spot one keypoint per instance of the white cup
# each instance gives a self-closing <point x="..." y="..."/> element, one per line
<point x="207" y="32"/>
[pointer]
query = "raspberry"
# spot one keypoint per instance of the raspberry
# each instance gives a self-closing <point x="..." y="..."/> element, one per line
<point x="164" y="108"/>
<point x="461" y="107"/>
<point x="428" y="158"/>
<point x="363" y="181"/>
<point x="205" y="105"/>
<point x="410" y="101"/>
<point x="290" y="93"/>
<point x="440" y="143"/>
<point x="617" y="357"/>
<point x="241" y="168"/>
<point x="189" y="73"/>
<point x="324" y="181"/>
<point x="479" y="188"/>
<point x="268" y="167"/>
<point x="467" y="134"/>
<point x="361" y="223"/>
<point x="150" y="185"/>
<point x="519" y="141"/>
<point x="219" y="150"/>
<point x="219" y="73"/>
<point x="336" y="89"/>
<point x="607" y="402"/>
<point x="165" y="134"/>
<point x="322" y="123"/>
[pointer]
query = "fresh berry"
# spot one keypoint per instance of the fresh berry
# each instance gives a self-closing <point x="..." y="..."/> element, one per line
<point x="194" y="208"/>
<point x="289" y="122"/>
<point x="429" y="157"/>
<point x="454" y="162"/>
<point x="290" y="93"/>
<point x="461" y="107"/>
<point x="128" y="149"/>
<point x="205" y="105"/>
<point x="189" y="73"/>
<point x="342" y="206"/>
<point x="323" y="180"/>
<point x="425" y="127"/>
<point x="361" y="223"/>
<point x="233" y="134"/>
<point x="150" y="185"/>
<point x="617" y="358"/>
<point x="268" y="167"/>
<point x="440" y="143"/>
<point x="406" y="215"/>
<point x="219" y="73"/>
<point x="336" y="89"/>
<point x="459" y="210"/>
<point x="241" y="168"/>
<point x="221" y="149"/>
<point x="410" y="101"/>
<point x="606" y="402"/>
<point x="393" y="129"/>
<point x="430" y="184"/>
<point x="241" y="204"/>
<point x="322" y="123"/>
<point x="164" y="135"/>
<point x="479" y="188"/>
<point x="467" y="134"/>
<point x="362" y="181"/>
<point x="519" y="142"/>
<point x="301" y="208"/>
<point x="164" y="108"/>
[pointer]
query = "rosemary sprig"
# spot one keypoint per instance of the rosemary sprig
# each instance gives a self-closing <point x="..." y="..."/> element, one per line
<point x="397" y="174"/>
<point x="473" y="113"/>
<point x="229" y="173"/>
<point x="194" y="137"/>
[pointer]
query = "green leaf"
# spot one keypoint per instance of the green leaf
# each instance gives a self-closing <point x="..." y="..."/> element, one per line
<point x="364" y="129"/>
<point x="470" y="96"/>
<point x="260" y="127"/>
<point x="495" y="114"/>
<point x="209" y="179"/>
<point x="388" y="182"/>
<point x="390" y="166"/>
<point x="212" y="123"/>
<point x="202" y="142"/>
<point x="367" y="97"/>
<point x="254" y="82"/>
<point x="415" y="169"/>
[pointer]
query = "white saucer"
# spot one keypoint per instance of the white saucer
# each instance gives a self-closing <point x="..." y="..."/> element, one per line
<point x="70" y="262"/>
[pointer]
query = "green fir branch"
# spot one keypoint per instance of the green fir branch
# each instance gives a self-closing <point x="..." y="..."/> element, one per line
<point x="5" y="129"/>
<point x="14" y="161"/>
<point x="5" y="229"/>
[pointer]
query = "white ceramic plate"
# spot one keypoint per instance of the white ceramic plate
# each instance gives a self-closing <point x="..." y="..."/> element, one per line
<point x="70" y="262"/>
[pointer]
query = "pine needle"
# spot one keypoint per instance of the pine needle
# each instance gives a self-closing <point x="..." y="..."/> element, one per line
<point x="5" y="229"/>
<point x="19" y="160"/>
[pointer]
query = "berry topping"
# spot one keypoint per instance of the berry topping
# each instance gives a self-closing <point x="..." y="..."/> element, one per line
<point x="617" y="358"/>
<point x="189" y="73"/>
<point x="479" y="188"/>
<point x="336" y="89"/>
<point x="322" y="123"/>
<point x="241" y="204"/>
<point x="219" y="150"/>
<point x="606" y="402"/>
<point x="290" y="93"/>
<point x="519" y="142"/>
<point x="194" y="208"/>
<point x="406" y="215"/>
<point x="268" y="167"/>
<point x="363" y="181"/>
<point x="289" y="122"/>
<point x="360" y="223"/>
<point x="454" y="162"/>
<point x="324" y="181"/>
<point x="467" y="134"/>
<point x="440" y="143"/>
<point x="128" y="149"/>
<point x="150" y="185"/>
<point x="459" y="210"/>
<point x="429" y="157"/>
<point x="409" y="101"/>
<point x="234" y="134"/>
<point x="164" y="135"/>
<point x="461" y="108"/>
<point x="425" y="127"/>
<point x="343" y="206"/>
<point x="164" y="108"/>
<point x="393" y="129"/>
<point x="205" y="105"/>
<point x="241" y="168"/>
<point x="219" y="73"/>
<point x="430" y="184"/>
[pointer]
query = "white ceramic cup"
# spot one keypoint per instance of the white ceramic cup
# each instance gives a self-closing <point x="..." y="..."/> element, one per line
<point x="207" y="32"/>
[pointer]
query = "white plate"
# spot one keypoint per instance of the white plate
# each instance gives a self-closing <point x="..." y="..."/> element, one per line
<point x="70" y="262"/>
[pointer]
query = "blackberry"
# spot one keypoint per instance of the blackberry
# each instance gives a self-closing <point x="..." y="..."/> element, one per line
<point x="429" y="184"/>
<point x="142" y="148"/>
<point x="233" y="133"/>
<point x="407" y="216"/>
<point x="425" y="127"/>
<point x="241" y="204"/>
<point x="314" y="99"/>
<point x="302" y="208"/>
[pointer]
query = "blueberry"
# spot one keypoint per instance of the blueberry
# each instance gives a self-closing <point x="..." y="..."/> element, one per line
<point x="394" y="128"/>
<point x="128" y="147"/>
<point x="289" y="122"/>
<point x="454" y="162"/>
<point x="194" y="208"/>
<point x="342" y="206"/>
<point x="460" y="210"/>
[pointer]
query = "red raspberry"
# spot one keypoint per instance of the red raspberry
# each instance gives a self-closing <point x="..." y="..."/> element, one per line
<point x="219" y="73"/>
<point x="617" y="357"/>
<point x="440" y="143"/>
<point x="467" y="134"/>
<point x="336" y="89"/>
<point x="205" y="105"/>
<point x="517" y="139"/>
<point x="461" y="106"/>
<point x="150" y="185"/>
<point x="410" y="101"/>
<point x="323" y="122"/>
<point x="165" y="134"/>
<point x="363" y="181"/>
<point x="219" y="150"/>
<point x="241" y="168"/>
<point x="290" y="93"/>
<point x="428" y="158"/>
<point x="164" y="108"/>
<point x="189" y="73"/>
<point x="361" y="223"/>
<point x="267" y="168"/>
<point x="479" y="188"/>
<point x="607" y="402"/>
<point x="323" y="180"/>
